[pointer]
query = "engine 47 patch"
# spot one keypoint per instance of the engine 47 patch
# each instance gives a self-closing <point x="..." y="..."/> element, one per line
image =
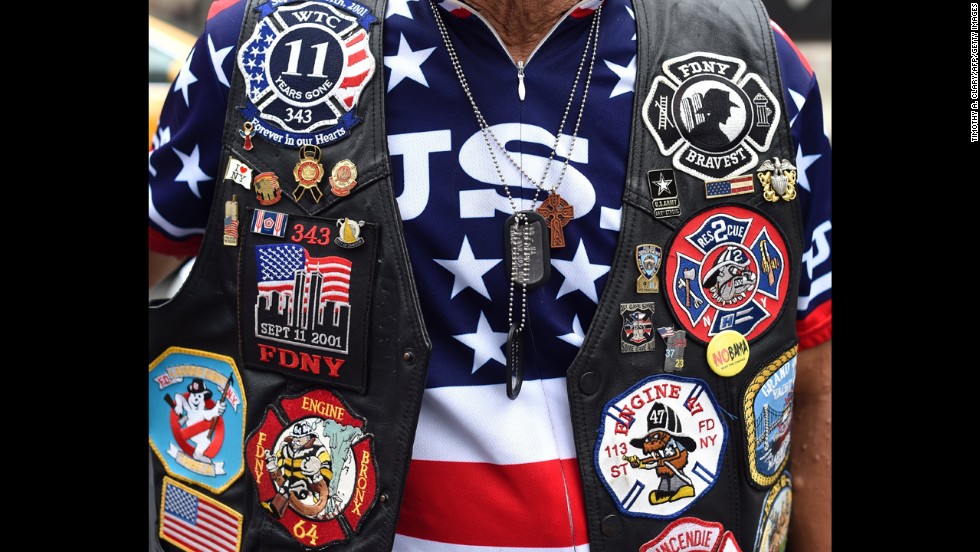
<point x="197" y="416"/>
<point x="690" y="534"/>
<point x="660" y="446"/>
<point x="773" y="531"/>
<point x="313" y="464"/>
<point x="711" y="116"/>
<point x="305" y="65"/>
<point x="726" y="270"/>
<point x="768" y="413"/>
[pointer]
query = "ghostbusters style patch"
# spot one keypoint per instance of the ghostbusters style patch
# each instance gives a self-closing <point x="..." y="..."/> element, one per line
<point x="693" y="535"/>
<point x="711" y="116"/>
<point x="660" y="446"/>
<point x="314" y="468"/>
<point x="197" y="416"/>
<point x="637" y="334"/>
<point x="773" y="532"/>
<point x="726" y="270"/>
<point x="305" y="65"/>
<point x="310" y="301"/>
<point x="768" y="413"/>
<point x="194" y="522"/>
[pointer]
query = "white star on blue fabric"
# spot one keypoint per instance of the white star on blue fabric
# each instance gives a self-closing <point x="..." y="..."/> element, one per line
<point x="191" y="172"/>
<point x="467" y="270"/>
<point x="799" y="100"/>
<point x="485" y="342"/>
<point x="626" y="74"/>
<point x="160" y="138"/>
<point x="185" y="78"/>
<point x="579" y="273"/>
<point x="217" y="58"/>
<point x="399" y="7"/>
<point x="577" y="337"/>
<point x="803" y="163"/>
<point x="634" y="19"/>
<point x="407" y="64"/>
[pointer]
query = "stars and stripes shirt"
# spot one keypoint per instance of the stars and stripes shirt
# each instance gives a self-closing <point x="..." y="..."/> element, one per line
<point x="516" y="457"/>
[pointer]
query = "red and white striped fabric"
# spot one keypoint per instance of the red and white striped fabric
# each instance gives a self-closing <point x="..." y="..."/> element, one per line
<point x="196" y="523"/>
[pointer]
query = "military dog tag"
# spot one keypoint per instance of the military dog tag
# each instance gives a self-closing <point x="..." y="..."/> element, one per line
<point x="527" y="255"/>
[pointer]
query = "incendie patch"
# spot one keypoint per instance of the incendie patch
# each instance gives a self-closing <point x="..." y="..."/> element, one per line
<point x="196" y="523"/>
<point x="638" y="331"/>
<point x="197" y="416"/>
<point x="768" y="413"/>
<point x="305" y="66"/>
<point x="773" y="531"/>
<point x="693" y="535"/>
<point x="711" y="116"/>
<point x="310" y="301"/>
<point x="660" y="446"/>
<point x="726" y="270"/>
<point x="313" y="464"/>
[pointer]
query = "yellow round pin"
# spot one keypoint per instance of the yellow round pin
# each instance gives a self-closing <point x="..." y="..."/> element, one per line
<point x="728" y="353"/>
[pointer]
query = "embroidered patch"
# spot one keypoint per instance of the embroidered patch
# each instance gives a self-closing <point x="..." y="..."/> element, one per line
<point x="663" y="193"/>
<point x="711" y="116"/>
<point x="269" y="223"/>
<point x="773" y="529"/>
<point x="660" y="466"/>
<point x="305" y="66"/>
<point x="690" y="534"/>
<point x="739" y="185"/>
<point x="768" y="413"/>
<point x="637" y="334"/>
<point x="313" y="464"/>
<point x="238" y="172"/>
<point x="195" y="523"/>
<point x="310" y="301"/>
<point x="726" y="270"/>
<point x="648" y="257"/>
<point x="197" y="416"/>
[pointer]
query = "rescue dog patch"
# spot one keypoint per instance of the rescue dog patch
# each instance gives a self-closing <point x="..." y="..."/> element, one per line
<point x="195" y="523"/>
<point x="712" y="117"/>
<point x="313" y="466"/>
<point x="726" y="270"/>
<point x="693" y="535"/>
<point x="309" y="302"/>
<point x="774" y="524"/>
<point x="304" y="67"/>
<point x="768" y="413"/>
<point x="660" y="446"/>
<point x="197" y="416"/>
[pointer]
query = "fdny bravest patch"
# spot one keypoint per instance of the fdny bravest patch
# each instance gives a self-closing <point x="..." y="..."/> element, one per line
<point x="768" y="413"/>
<point x="305" y="65"/>
<point x="197" y="416"/>
<point x="711" y="116"/>
<point x="773" y="531"/>
<point x="308" y="302"/>
<point x="660" y="446"/>
<point x="313" y="464"/>
<point x="726" y="270"/>
<point x="693" y="535"/>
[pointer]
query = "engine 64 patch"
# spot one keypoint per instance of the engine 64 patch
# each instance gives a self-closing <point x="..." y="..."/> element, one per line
<point x="726" y="270"/>
<point x="660" y="446"/>
<point x="305" y="65"/>
<point x="309" y="302"/>
<point x="773" y="531"/>
<point x="197" y="416"/>
<point x="711" y="116"/>
<point x="313" y="464"/>
<point x="768" y="413"/>
<point x="690" y="534"/>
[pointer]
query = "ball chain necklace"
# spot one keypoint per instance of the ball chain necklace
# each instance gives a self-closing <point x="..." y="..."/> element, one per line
<point x="528" y="257"/>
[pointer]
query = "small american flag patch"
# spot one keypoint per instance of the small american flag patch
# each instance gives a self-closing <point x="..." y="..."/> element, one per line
<point x="729" y="186"/>
<point x="196" y="523"/>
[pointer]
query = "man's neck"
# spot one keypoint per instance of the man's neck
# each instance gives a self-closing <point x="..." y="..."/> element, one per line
<point x="522" y="24"/>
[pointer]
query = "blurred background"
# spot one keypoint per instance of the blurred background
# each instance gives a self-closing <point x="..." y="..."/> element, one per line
<point x="175" y="24"/>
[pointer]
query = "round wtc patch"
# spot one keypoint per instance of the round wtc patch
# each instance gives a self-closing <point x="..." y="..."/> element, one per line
<point x="773" y="529"/>
<point x="314" y="468"/>
<point x="727" y="271"/>
<point x="660" y="446"/>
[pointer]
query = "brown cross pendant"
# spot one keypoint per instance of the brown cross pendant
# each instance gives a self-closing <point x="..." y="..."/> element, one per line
<point x="557" y="213"/>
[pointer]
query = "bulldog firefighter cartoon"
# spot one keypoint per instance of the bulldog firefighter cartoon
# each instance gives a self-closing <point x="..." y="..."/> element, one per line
<point x="660" y="446"/>
<point x="301" y="471"/>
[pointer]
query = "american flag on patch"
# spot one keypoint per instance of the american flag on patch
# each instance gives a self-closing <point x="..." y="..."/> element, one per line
<point x="231" y="227"/>
<point x="269" y="223"/>
<point x="729" y="186"/>
<point x="278" y="264"/>
<point x="665" y="332"/>
<point x="196" y="523"/>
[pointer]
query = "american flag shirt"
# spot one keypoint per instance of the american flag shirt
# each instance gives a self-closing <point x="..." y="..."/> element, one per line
<point x="481" y="463"/>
